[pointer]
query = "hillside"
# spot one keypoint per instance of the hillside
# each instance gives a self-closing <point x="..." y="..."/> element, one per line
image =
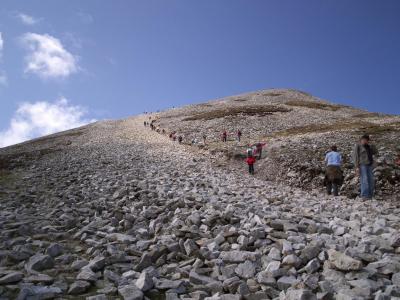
<point x="114" y="210"/>
<point x="298" y="129"/>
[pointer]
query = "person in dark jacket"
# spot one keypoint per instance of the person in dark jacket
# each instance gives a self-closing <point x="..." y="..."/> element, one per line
<point x="239" y="135"/>
<point x="251" y="161"/>
<point x="224" y="136"/>
<point x="363" y="158"/>
<point x="334" y="175"/>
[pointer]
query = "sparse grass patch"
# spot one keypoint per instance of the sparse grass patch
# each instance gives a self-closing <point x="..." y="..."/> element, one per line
<point x="240" y="100"/>
<point x="313" y="105"/>
<point x="6" y="177"/>
<point x="359" y="127"/>
<point x="259" y="110"/>
<point x="366" y="115"/>
<point x="272" y="94"/>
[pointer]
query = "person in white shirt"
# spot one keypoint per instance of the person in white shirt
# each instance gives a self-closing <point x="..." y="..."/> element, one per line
<point x="334" y="175"/>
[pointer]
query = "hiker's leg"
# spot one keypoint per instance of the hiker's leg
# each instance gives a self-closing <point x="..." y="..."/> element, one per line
<point x="335" y="189"/>
<point x="252" y="169"/>
<point x="249" y="169"/>
<point x="371" y="181"/>
<point x="364" y="181"/>
<point x="329" y="187"/>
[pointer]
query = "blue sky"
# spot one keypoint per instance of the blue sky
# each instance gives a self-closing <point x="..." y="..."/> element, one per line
<point x="66" y="63"/>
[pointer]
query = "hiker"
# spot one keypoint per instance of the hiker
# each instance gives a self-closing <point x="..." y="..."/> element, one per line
<point x="224" y="136"/>
<point x="145" y="124"/>
<point x="363" y="158"/>
<point x="204" y="139"/>
<point x="250" y="151"/>
<point x="259" y="147"/>
<point x="334" y="175"/>
<point x="163" y="131"/>
<point x="239" y="135"/>
<point x="250" y="161"/>
<point x="180" y="138"/>
<point x="397" y="160"/>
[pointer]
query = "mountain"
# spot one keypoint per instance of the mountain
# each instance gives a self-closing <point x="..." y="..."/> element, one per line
<point x="115" y="210"/>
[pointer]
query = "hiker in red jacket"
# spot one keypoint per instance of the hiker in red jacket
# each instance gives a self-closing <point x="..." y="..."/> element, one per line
<point x="250" y="161"/>
<point x="224" y="136"/>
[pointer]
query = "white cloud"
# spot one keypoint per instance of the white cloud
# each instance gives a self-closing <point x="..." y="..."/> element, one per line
<point x="47" y="57"/>
<point x="85" y="17"/>
<point x="3" y="78"/>
<point x="27" y="19"/>
<point x="41" y="118"/>
<point x="1" y="43"/>
<point x="3" y="75"/>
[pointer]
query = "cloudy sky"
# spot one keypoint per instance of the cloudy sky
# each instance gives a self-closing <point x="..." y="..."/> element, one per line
<point x="66" y="63"/>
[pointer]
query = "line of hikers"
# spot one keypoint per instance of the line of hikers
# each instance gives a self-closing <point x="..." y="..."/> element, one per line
<point x="363" y="156"/>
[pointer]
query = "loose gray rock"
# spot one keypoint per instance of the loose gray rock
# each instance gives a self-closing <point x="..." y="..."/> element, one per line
<point x="130" y="292"/>
<point x="39" y="262"/>
<point x="78" y="287"/>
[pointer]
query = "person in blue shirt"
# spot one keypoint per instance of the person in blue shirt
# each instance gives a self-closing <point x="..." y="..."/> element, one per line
<point x="334" y="175"/>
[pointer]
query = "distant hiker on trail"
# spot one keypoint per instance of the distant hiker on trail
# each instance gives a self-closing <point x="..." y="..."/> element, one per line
<point x="239" y="135"/>
<point x="251" y="161"/>
<point x="363" y="158"/>
<point x="204" y="139"/>
<point x="397" y="161"/>
<point x="145" y="124"/>
<point x="180" y="138"/>
<point x="224" y="136"/>
<point x="334" y="175"/>
<point x="259" y="147"/>
<point x="250" y="151"/>
<point x="163" y="131"/>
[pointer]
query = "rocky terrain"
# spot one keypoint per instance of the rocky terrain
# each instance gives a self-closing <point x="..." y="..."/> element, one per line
<point x="114" y="210"/>
<point x="298" y="129"/>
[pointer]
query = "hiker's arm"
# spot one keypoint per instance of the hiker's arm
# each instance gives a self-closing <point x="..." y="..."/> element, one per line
<point x="375" y="150"/>
<point x="356" y="159"/>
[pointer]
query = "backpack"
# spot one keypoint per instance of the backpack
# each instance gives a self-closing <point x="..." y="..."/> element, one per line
<point x="249" y="152"/>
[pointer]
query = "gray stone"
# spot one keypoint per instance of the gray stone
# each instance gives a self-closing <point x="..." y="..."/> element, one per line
<point x="190" y="247"/>
<point x="98" y="263"/>
<point x="79" y="264"/>
<point x="291" y="260"/>
<point x="396" y="279"/>
<point x="130" y="292"/>
<point x="286" y="282"/>
<point x="246" y="270"/>
<point x="144" y="282"/>
<point x="78" y="287"/>
<point x="54" y="250"/>
<point x="87" y="274"/>
<point x="97" y="297"/>
<point x="40" y="262"/>
<point x="300" y="295"/>
<point x="312" y="266"/>
<point x="199" y="279"/>
<point x="238" y="256"/>
<point x="38" y="292"/>
<point x="12" y="277"/>
<point x="343" y="262"/>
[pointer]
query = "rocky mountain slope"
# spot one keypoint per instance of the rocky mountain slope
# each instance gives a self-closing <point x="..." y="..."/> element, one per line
<point x="298" y="128"/>
<point x="114" y="210"/>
